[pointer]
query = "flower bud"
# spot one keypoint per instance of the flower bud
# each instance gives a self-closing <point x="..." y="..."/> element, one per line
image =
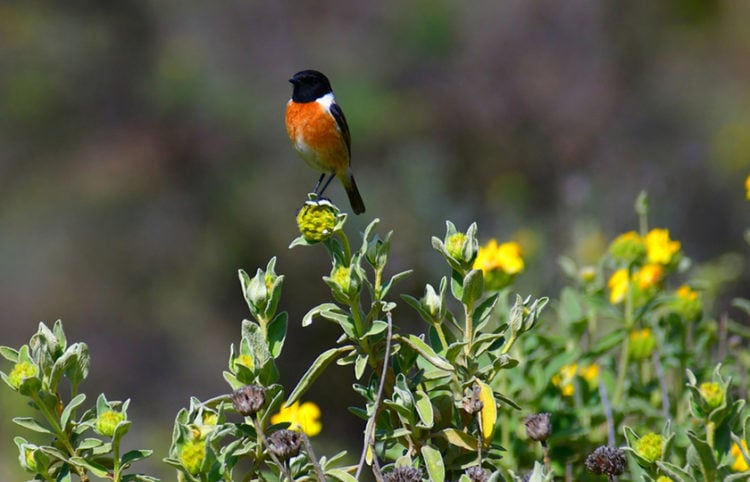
<point x="477" y="474"/>
<point x="193" y="454"/>
<point x="107" y="422"/>
<point x="609" y="461"/>
<point x="628" y="247"/>
<point x="403" y="474"/>
<point x="285" y="444"/>
<point x="21" y="371"/>
<point x="472" y="403"/>
<point x="712" y="393"/>
<point x="642" y="344"/>
<point x="249" y="399"/>
<point x="455" y="245"/>
<point x="316" y="221"/>
<point x="650" y="447"/>
<point x="538" y="427"/>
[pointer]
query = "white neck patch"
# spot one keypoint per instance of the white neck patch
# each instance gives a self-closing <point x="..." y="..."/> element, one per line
<point x="326" y="100"/>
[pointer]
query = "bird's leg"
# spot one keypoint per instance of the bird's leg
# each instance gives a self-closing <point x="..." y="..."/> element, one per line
<point x="320" y="193"/>
<point x="317" y="185"/>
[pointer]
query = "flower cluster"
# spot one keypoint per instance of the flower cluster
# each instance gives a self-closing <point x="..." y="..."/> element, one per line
<point x="565" y="378"/>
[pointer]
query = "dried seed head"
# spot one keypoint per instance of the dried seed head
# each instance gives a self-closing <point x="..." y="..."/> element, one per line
<point x="403" y="474"/>
<point x="285" y="444"/>
<point x="609" y="461"/>
<point x="538" y="427"/>
<point x="477" y="474"/>
<point x="472" y="403"/>
<point x="248" y="400"/>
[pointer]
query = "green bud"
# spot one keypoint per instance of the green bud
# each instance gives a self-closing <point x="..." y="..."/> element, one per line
<point x="22" y="371"/>
<point x="650" y="447"/>
<point x="193" y="454"/>
<point x="107" y="422"/>
<point x="712" y="393"/>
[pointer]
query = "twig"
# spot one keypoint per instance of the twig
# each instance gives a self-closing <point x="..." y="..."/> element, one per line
<point x="308" y="448"/>
<point x="275" y="459"/>
<point x="369" y="442"/>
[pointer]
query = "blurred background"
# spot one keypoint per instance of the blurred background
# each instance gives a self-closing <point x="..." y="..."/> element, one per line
<point x="143" y="160"/>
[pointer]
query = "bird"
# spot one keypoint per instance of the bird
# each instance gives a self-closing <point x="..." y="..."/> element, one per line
<point x="319" y="133"/>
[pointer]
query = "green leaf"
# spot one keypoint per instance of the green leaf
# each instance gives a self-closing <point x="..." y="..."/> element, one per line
<point x="134" y="455"/>
<point x="331" y="312"/>
<point x="459" y="439"/>
<point x="139" y="478"/>
<point x="378" y="326"/>
<point x="434" y="463"/>
<point x="473" y="286"/>
<point x="95" y="468"/>
<point x="674" y="472"/>
<point x="424" y="409"/>
<point x="9" y="353"/>
<point x="68" y="410"/>
<point x="483" y="311"/>
<point x="341" y="475"/>
<point x="426" y="351"/>
<point x="705" y="454"/>
<point x="315" y="370"/>
<point x="89" y="443"/>
<point x="607" y="342"/>
<point x="277" y="333"/>
<point x="386" y="287"/>
<point x="360" y="365"/>
<point x="31" y="424"/>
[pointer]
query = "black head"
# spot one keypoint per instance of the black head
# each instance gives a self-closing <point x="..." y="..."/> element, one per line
<point x="309" y="85"/>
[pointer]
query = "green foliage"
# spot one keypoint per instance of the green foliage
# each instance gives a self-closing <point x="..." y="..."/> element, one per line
<point x="619" y="365"/>
<point x="73" y="441"/>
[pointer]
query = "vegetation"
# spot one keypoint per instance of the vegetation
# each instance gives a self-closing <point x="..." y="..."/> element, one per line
<point x="623" y="375"/>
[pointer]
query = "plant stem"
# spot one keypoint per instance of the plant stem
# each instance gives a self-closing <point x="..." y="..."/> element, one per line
<point x="61" y="434"/>
<point x="369" y="442"/>
<point x="625" y="348"/>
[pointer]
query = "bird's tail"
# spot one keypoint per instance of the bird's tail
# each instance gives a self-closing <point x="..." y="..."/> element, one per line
<point x="347" y="179"/>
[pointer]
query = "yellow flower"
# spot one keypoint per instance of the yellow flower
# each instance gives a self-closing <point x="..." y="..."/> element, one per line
<point x="564" y="379"/>
<point x="747" y="187"/>
<point x="686" y="293"/>
<point x="590" y="374"/>
<point x="649" y="276"/>
<point x="302" y="418"/>
<point x="686" y="302"/>
<point x="660" y="248"/>
<point x="505" y="257"/>
<point x="740" y="464"/>
<point x="618" y="286"/>
<point x="664" y="478"/>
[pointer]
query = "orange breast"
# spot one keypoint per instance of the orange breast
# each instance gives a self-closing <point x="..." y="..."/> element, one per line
<point x="316" y="137"/>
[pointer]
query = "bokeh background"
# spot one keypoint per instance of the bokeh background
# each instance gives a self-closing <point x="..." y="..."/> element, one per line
<point x="143" y="160"/>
